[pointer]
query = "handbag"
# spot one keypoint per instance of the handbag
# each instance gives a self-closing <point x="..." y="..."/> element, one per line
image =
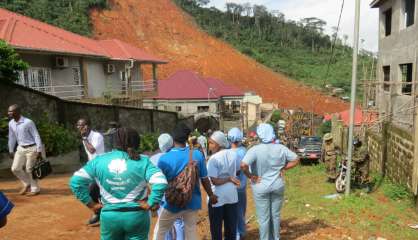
<point x="180" y="190"/>
<point x="41" y="169"/>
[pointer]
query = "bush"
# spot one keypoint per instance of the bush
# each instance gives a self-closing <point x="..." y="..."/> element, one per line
<point x="10" y="63"/>
<point x="276" y="116"/>
<point x="148" y="143"/>
<point x="3" y="134"/>
<point x="56" y="138"/>
<point x="324" y="128"/>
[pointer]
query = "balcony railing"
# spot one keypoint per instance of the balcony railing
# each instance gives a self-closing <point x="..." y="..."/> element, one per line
<point x="63" y="91"/>
<point x="144" y="86"/>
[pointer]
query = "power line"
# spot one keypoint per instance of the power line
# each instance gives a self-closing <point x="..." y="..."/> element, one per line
<point x="333" y="43"/>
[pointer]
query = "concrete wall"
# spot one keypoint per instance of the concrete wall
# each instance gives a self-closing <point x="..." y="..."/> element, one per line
<point x="397" y="48"/>
<point x="37" y="105"/>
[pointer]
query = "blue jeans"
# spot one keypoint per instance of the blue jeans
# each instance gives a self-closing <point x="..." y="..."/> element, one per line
<point x="242" y="207"/>
<point x="268" y="206"/>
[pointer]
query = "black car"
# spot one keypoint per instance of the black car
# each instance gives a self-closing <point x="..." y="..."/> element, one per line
<point x="309" y="148"/>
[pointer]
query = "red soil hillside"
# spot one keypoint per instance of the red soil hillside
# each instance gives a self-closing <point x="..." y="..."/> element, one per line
<point x="160" y="27"/>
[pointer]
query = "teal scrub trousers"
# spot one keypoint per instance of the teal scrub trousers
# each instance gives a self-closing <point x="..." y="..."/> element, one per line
<point x="131" y="225"/>
<point x="268" y="206"/>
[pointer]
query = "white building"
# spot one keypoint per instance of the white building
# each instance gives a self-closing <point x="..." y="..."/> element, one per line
<point x="194" y="96"/>
<point x="71" y="66"/>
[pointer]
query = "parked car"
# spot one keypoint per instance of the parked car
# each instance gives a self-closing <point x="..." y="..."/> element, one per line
<point x="309" y="148"/>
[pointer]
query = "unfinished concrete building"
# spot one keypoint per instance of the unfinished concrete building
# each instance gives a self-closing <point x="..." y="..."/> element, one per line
<point x="396" y="82"/>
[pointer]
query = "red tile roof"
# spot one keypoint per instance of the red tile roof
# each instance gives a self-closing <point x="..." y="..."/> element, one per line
<point x="119" y="50"/>
<point x="26" y="33"/>
<point x="189" y="85"/>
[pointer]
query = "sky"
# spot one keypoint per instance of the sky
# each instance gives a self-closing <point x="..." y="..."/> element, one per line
<point x="327" y="10"/>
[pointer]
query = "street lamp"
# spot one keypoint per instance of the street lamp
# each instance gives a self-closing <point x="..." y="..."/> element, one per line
<point x="209" y="91"/>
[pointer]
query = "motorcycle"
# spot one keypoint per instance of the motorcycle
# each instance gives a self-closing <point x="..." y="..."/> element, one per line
<point x="340" y="182"/>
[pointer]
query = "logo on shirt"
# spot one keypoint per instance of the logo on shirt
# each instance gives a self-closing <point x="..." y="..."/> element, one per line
<point x="117" y="166"/>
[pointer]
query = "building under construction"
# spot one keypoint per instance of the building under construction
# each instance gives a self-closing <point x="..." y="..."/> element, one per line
<point x="393" y="148"/>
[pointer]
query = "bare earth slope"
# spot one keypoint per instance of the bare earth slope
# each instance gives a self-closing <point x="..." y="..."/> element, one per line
<point x="160" y="27"/>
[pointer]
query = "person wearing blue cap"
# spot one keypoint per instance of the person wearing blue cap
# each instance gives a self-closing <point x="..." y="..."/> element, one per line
<point x="235" y="137"/>
<point x="5" y="208"/>
<point x="268" y="163"/>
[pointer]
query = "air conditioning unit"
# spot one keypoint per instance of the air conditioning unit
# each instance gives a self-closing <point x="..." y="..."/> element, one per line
<point x="110" y="68"/>
<point x="61" y="62"/>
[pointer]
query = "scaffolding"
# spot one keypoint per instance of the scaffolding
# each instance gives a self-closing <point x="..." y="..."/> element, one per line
<point x="373" y="89"/>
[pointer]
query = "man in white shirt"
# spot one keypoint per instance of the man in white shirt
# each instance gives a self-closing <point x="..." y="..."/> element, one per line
<point x="23" y="132"/>
<point x="93" y="143"/>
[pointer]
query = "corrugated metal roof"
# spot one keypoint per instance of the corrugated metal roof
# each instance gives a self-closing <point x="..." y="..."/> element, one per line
<point x="23" y="32"/>
<point x="189" y="85"/>
<point x="117" y="49"/>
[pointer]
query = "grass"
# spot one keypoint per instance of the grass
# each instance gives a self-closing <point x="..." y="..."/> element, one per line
<point x="386" y="212"/>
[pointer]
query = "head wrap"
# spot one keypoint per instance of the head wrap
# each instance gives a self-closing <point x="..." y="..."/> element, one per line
<point x="181" y="133"/>
<point x="235" y="135"/>
<point x="165" y="142"/>
<point x="266" y="133"/>
<point x="220" y="139"/>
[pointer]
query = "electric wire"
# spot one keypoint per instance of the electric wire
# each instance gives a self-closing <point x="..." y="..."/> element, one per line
<point x="333" y="44"/>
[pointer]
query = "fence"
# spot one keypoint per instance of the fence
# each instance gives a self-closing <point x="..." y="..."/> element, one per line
<point x="391" y="151"/>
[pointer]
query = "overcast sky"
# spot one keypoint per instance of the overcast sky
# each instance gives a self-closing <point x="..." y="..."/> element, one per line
<point x="327" y="10"/>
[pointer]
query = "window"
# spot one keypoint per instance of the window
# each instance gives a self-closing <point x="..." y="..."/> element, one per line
<point x="408" y="12"/>
<point x="76" y="76"/>
<point x="236" y="106"/>
<point x="36" y="78"/>
<point x="386" y="78"/>
<point x="123" y="76"/>
<point x="202" y="108"/>
<point x="406" y="77"/>
<point x="178" y="108"/>
<point x="388" y="21"/>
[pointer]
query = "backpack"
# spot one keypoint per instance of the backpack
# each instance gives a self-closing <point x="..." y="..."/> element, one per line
<point x="180" y="189"/>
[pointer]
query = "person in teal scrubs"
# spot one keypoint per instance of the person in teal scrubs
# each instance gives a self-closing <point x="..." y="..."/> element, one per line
<point x="123" y="176"/>
<point x="268" y="162"/>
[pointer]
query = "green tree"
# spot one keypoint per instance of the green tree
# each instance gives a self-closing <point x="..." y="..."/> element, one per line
<point x="10" y="63"/>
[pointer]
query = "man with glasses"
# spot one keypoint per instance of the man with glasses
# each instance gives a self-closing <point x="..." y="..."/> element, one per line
<point x="93" y="143"/>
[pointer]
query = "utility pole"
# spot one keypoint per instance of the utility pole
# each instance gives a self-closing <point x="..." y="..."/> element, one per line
<point x="353" y="97"/>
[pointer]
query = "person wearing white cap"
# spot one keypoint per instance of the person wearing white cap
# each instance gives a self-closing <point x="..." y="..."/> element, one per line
<point x="222" y="170"/>
<point x="235" y="137"/>
<point x="165" y="143"/>
<point x="268" y="162"/>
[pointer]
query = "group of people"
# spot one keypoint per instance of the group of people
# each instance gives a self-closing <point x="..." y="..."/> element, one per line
<point x="132" y="184"/>
<point x="360" y="160"/>
<point x="121" y="186"/>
